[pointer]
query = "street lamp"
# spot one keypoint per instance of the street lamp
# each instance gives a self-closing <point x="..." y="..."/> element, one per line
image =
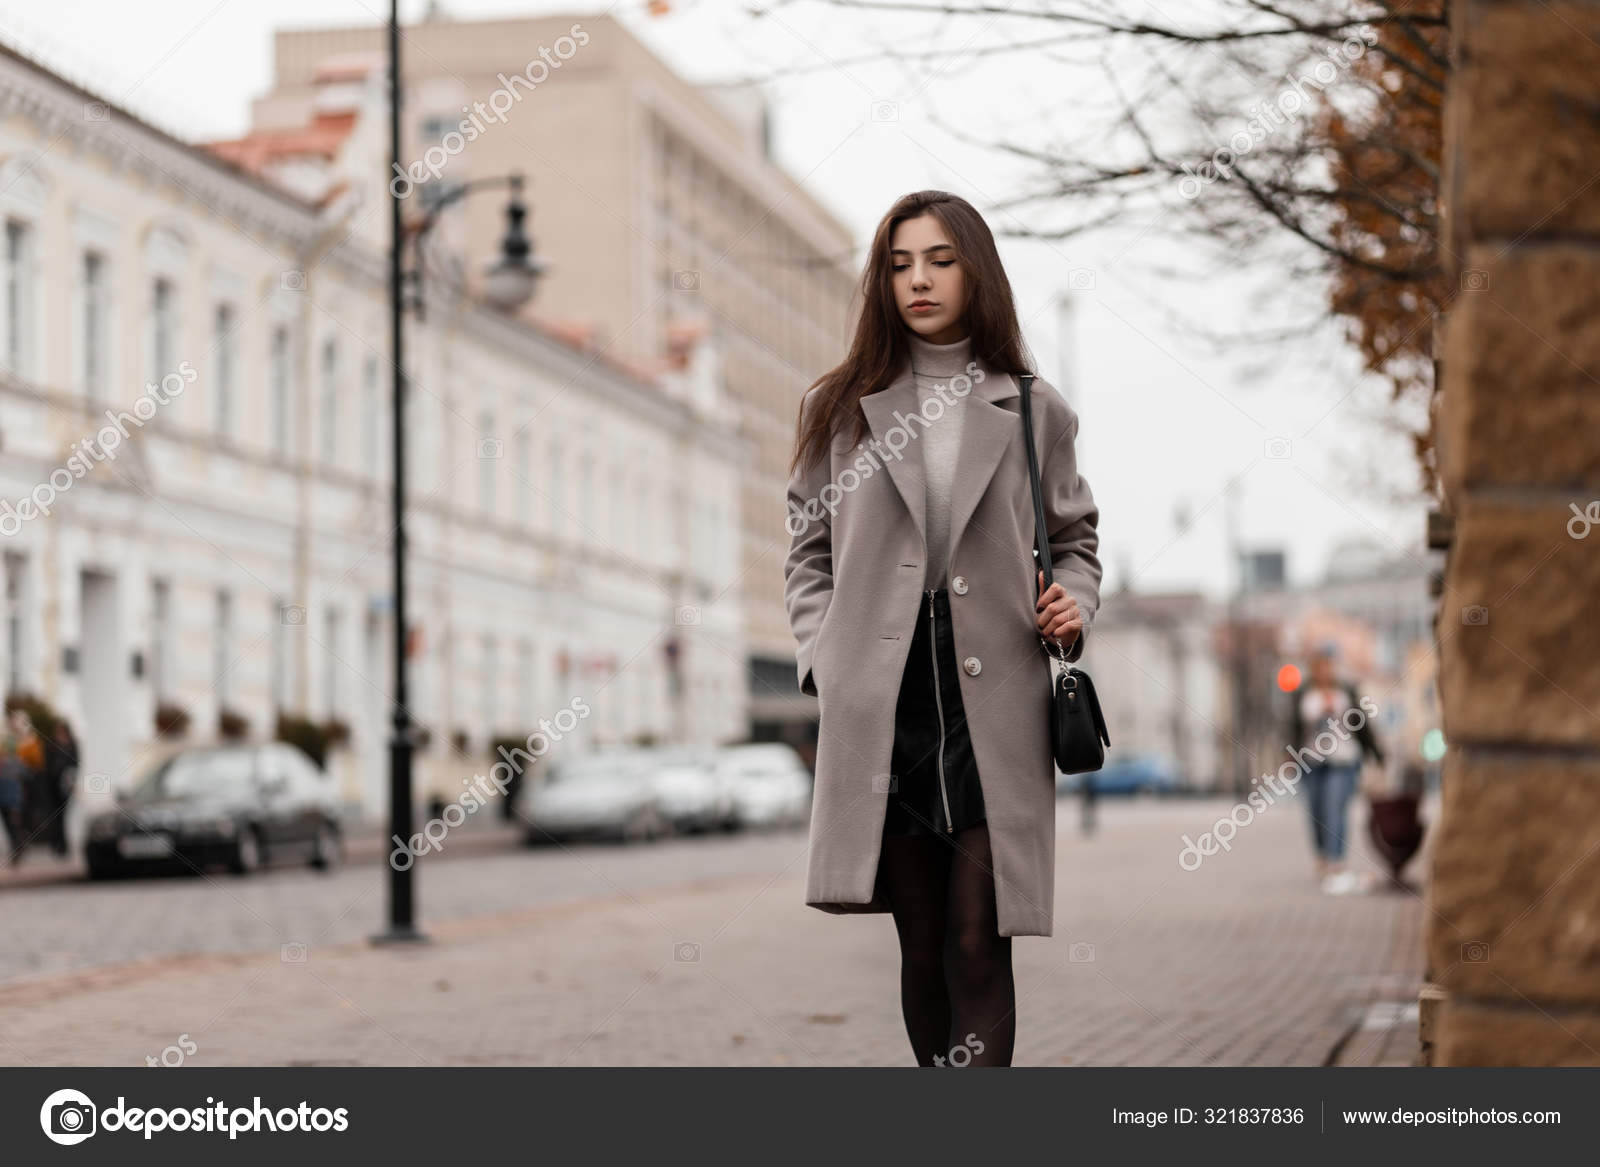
<point x="509" y="283"/>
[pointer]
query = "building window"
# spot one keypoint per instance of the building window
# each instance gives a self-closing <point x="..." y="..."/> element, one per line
<point x="558" y="514"/>
<point x="96" y="331"/>
<point x="641" y="520"/>
<point x="222" y="645"/>
<point x="279" y="365"/>
<point x="519" y="472"/>
<point x="330" y="401"/>
<point x="161" y="640"/>
<point x="525" y="697"/>
<point x="283" y="627"/>
<point x="17" y="621"/>
<point x="491" y="684"/>
<point x="489" y="459"/>
<point x="162" y="320"/>
<point x="586" y="506"/>
<point x="19" y="292"/>
<point x="224" y="348"/>
<point x="372" y="414"/>
<point x="330" y="664"/>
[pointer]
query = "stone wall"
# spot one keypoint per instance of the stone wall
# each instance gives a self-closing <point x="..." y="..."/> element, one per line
<point x="1514" y="927"/>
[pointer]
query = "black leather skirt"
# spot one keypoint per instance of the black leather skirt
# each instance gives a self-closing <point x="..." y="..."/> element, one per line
<point x="934" y="786"/>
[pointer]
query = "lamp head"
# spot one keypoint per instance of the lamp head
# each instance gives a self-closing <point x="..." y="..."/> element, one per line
<point x="512" y="279"/>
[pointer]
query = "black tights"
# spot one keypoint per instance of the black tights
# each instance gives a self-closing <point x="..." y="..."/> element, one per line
<point x="956" y="988"/>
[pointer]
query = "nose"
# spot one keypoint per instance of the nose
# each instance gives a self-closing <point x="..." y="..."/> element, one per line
<point x="920" y="277"/>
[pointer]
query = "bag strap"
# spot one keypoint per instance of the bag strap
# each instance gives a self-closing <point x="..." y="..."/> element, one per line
<point x="1041" y="534"/>
<point x="1041" y="539"/>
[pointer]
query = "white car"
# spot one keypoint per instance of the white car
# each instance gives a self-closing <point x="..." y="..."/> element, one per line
<point x="769" y="784"/>
<point x="609" y="794"/>
<point x="691" y="794"/>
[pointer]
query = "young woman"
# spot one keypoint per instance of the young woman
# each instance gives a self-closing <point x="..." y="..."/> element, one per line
<point x="920" y="617"/>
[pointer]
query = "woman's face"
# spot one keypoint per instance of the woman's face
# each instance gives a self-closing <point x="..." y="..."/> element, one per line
<point x="929" y="288"/>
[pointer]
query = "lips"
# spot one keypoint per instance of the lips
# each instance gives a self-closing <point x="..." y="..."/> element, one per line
<point x="922" y="306"/>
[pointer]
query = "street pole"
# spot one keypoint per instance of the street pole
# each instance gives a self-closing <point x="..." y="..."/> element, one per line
<point x="402" y="912"/>
<point x="1239" y="662"/>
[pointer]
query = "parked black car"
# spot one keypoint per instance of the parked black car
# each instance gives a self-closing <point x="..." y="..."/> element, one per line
<point x="242" y="807"/>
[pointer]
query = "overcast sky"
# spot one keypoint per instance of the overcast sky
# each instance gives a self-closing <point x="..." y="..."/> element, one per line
<point x="1167" y="420"/>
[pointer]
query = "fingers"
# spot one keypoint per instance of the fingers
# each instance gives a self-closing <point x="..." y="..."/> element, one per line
<point x="1057" y="613"/>
<point x="1066" y="630"/>
<point x="1064" y="634"/>
<point x="1058" y="616"/>
<point x="1057" y="609"/>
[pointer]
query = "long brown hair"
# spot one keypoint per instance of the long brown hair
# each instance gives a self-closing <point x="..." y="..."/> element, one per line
<point x="882" y="345"/>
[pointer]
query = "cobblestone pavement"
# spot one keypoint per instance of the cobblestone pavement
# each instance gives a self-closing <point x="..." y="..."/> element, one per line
<point x="703" y="953"/>
<point x="70" y="927"/>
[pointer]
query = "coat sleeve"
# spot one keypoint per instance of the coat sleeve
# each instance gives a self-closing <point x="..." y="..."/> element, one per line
<point x="808" y="570"/>
<point x="1073" y="520"/>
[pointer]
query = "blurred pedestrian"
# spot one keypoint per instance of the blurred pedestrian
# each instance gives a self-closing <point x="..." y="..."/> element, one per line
<point x="59" y="782"/>
<point x="1329" y="726"/>
<point x="12" y="775"/>
<point x="30" y="754"/>
<point x="907" y="577"/>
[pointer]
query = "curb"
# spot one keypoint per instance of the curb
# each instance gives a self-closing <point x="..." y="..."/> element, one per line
<point x="366" y="847"/>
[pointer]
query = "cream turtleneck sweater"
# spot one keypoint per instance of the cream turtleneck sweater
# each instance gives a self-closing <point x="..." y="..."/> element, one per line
<point x="933" y="365"/>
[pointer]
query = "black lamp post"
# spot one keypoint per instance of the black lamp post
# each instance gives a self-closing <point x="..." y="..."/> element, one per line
<point x="510" y="282"/>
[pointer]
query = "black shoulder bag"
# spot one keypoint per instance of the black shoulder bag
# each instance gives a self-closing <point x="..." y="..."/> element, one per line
<point x="1078" y="735"/>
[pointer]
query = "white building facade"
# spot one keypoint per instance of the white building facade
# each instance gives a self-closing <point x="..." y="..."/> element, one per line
<point x="195" y="478"/>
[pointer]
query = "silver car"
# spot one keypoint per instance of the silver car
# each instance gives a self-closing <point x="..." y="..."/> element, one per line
<point x="769" y="784"/>
<point x="604" y="795"/>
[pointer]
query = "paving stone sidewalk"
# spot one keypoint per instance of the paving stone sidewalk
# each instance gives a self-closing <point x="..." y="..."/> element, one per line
<point x="1241" y="962"/>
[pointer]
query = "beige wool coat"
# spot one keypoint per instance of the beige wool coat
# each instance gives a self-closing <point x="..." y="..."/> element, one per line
<point x="853" y="586"/>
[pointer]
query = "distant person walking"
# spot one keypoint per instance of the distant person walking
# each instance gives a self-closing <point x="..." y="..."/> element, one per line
<point x="13" y="775"/>
<point x="30" y="752"/>
<point x="1328" y="723"/>
<point x="56" y="787"/>
<point x="1091" y="796"/>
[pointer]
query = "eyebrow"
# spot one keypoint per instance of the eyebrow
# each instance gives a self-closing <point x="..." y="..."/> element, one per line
<point x="925" y="250"/>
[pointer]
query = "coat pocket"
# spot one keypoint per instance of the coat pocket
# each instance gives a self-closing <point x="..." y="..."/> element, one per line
<point x="819" y="649"/>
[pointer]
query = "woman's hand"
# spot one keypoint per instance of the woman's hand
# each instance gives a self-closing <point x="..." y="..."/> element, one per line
<point x="1058" y="615"/>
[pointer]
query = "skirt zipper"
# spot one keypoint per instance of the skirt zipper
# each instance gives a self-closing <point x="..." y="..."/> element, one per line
<point x="938" y="701"/>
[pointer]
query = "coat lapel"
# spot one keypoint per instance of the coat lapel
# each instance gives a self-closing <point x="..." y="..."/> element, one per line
<point x="897" y="442"/>
<point x="988" y="430"/>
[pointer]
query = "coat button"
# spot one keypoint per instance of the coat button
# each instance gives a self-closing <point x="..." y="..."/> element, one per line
<point x="973" y="665"/>
<point x="959" y="585"/>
